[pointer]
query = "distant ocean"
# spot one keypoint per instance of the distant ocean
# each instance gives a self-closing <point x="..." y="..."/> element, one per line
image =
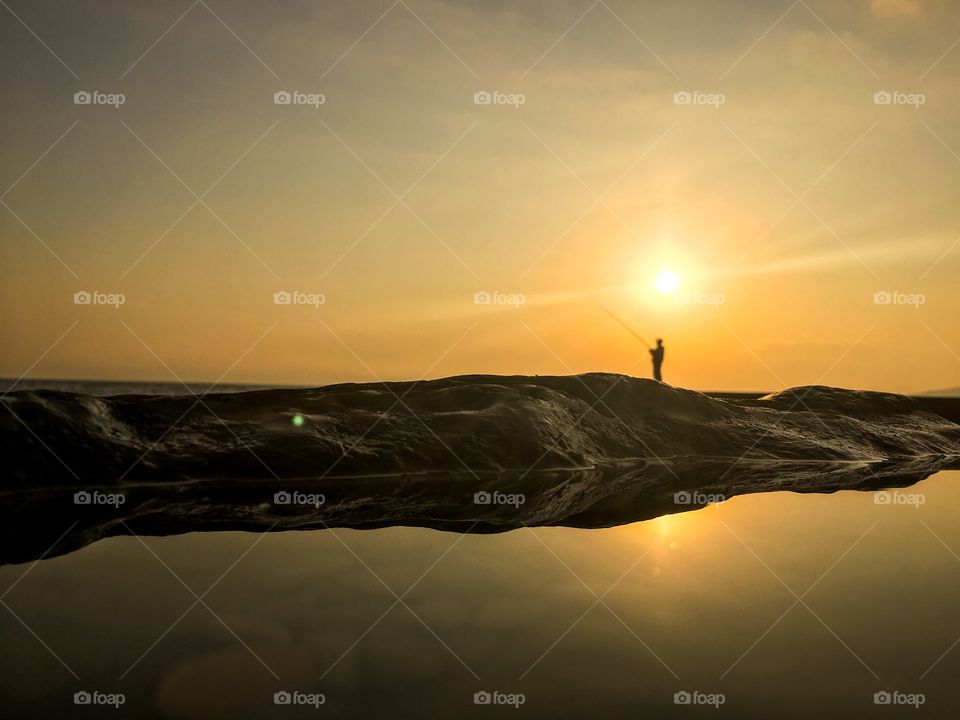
<point x="127" y="387"/>
<point x="103" y="387"/>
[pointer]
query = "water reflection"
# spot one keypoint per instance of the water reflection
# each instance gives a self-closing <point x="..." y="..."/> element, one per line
<point x="699" y="601"/>
<point x="615" y="494"/>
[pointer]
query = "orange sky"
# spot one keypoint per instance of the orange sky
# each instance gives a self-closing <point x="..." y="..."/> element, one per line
<point x="786" y="200"/>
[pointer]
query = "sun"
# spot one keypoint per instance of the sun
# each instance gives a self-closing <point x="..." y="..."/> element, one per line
<point x="667" y="281"/>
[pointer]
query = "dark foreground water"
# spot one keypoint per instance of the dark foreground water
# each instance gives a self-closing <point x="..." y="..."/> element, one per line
<point x="769" y="605"/>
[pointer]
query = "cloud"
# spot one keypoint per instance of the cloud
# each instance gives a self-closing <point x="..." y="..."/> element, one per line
<point x="894" y="8"/>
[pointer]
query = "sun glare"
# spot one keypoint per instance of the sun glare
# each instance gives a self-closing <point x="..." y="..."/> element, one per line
<point x="666" y="281"/>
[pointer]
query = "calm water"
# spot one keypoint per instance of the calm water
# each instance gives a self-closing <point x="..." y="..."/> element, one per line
<point x="699" y="602"/>
<point x="96" y="387"/>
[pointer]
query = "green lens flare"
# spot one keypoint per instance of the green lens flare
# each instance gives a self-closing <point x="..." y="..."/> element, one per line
<point x="298" y="420"/>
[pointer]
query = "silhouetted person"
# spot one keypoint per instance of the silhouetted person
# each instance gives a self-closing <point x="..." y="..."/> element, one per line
<point x="656" y="354"/>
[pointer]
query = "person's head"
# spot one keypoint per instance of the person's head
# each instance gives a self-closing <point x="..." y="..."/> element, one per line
<point x="659" y="342"/>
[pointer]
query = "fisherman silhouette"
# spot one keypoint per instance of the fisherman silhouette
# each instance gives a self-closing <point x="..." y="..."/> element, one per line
<point x="656" y="354"/>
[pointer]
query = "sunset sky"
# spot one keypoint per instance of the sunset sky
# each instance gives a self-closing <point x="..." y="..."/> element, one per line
<point x="784" y="198"/>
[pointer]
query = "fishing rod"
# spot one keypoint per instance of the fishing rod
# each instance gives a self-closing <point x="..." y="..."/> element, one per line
<point x="622" y="323"/>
